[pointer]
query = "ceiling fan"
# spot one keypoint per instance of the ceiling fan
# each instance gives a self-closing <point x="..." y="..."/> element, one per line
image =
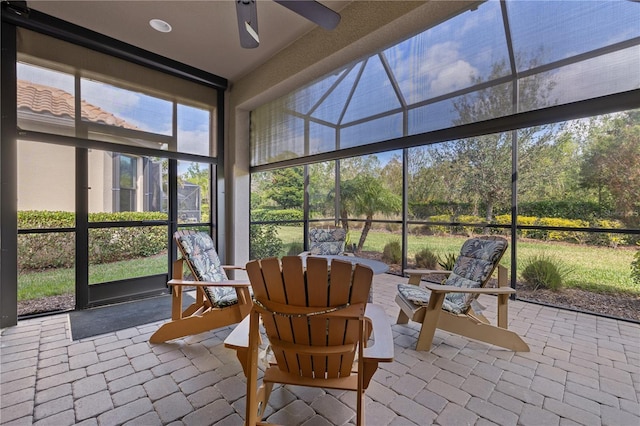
<point x="312" y="10"/>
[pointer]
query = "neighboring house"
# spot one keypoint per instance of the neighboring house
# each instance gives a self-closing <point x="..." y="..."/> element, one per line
<point x="117" y="182"/>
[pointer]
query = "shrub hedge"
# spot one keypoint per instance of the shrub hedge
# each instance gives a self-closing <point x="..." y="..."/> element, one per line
<point x="57" y="249"/>
<point x="271" y="215"/>
<point x="585" y="210"/>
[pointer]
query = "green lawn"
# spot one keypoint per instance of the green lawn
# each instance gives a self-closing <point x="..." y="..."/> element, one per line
<point x="598" y="269"/>
<point x="53" y="282"/>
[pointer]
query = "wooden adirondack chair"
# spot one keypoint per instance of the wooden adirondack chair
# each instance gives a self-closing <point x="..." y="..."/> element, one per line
<point x="219" y="301"/>
<point x="449" y="306"/>
<point x="317" y="322"/>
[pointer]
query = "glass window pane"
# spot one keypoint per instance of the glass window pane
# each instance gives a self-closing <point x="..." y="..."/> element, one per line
<point x="276" y="135"/>
<point x="485" y="104"/>
<point x="120" y="107"/>
<point x="46" y="269"/>
<point x="321" y="138"/>
<point x="465" y="180"/>
<point x="465" y="50"/>
<point x="581" y="174"/>
<point x="194" y="203"/>
<point x="586" y="267"/>
<point x="121" y="253"/>
<point x="46" y="184"/>
<point x="374" y="93"/>
<point x="194" y="130"/>
<point x="322" y="182"/>
<point x="303" y="100"/>
<point x="292" y="237"/>
<point x="121" y="183"/>
<point x="264" y="241"/>
<point x="45" y="100"/>
<point x="332" y="107"/>
<point x="370" y="187"/>
<point x="46" y="199"/>
<point x="372" y="131"/>
<point x="600" y="76"/>
<point x="546" y="32"/>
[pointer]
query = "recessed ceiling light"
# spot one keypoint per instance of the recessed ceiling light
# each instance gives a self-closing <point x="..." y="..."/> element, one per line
<point x="160" y="25"/>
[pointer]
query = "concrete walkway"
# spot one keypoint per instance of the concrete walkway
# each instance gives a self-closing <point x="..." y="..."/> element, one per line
<point x="582" y="370"/>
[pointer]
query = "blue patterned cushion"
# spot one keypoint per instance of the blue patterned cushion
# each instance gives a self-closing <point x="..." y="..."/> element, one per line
<point x="202" y="255"/>
<point x="473" y="266"/>
<point x="327" y="241"/>
<point x="420" y="296"/>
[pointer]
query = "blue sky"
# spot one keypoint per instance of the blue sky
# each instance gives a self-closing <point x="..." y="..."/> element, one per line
<point x="442" y="59"/>
<point x="148" y="113"/>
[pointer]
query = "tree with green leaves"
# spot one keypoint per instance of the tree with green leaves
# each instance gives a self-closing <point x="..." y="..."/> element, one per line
<point x="286" y="187"/>
<point x="477" y="170"/>
<point x="611" y="162"/>
<point x="365" y="195"/>
<point x="322" y="178"/>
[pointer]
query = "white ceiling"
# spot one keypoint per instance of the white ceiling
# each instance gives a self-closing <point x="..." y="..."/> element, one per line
<point x="204" y="35"/>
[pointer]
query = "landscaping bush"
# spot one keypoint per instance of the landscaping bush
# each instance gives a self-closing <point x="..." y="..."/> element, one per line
<point x="553" y="235"/>
<point x="441" y="229"/>
<point x="426" y="259"/>
<point x="447" y="261"/>
<point x="505" y="219"/>
<point x="272" y="215"/>
<point x="392" y="252"/>
<point x="294" y="249"/>
<point x="57" y="250"/>
<point x="543" y="271"/>
<point x="635" y="268"/>
<point x="112" y="244"/>
<point x="469" y="231"/>
<point x="607" y="239"/>
<point x="264" y="242"/>
<point x="584" y="210"/>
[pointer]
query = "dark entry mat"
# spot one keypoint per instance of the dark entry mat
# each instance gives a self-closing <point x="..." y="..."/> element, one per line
<point x="107" y="319"/>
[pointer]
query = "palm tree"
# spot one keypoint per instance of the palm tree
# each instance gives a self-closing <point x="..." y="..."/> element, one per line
<point x="364" y="195"/>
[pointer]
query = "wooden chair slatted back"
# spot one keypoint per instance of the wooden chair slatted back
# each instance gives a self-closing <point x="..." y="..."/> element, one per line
<point x="324" y="343"/>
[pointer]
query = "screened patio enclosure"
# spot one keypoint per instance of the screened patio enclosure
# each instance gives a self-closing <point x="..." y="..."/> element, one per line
<point x="505" y="57"/>
<point x="489" y="122"/>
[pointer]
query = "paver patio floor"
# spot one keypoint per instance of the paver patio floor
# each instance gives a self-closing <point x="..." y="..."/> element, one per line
<point x="582" y="369"/>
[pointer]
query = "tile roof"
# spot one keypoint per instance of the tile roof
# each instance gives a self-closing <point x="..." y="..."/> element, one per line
<point x="45" y="99"/>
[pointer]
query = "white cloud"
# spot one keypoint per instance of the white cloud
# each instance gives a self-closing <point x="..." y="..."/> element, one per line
<point x="453" y="77"/>
<point x="445" y="70"/>
<point x="193" y="141"/>
<point x="115" y="100"/>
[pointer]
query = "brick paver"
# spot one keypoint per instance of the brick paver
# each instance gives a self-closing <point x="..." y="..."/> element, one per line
<point x="582" y="369"/>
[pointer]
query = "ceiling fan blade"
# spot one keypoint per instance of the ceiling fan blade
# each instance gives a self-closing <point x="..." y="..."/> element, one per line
<point x="314" y="11"/>
<point x="247" y="13"/>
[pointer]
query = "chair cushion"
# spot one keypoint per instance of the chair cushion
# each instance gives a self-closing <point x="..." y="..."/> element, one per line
<point x="472" y="268"/>
<point x="327" y="241"/>
<point x="202" y="255"/>
<point x="420" y="297"/>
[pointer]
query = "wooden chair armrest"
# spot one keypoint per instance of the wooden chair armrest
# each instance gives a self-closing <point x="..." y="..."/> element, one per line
<point x="438" y="288"/>
<point x="233" y="267"/>
<point x="382" y="349"/>
<point x="239" y="337"/>
<point x="308" y="253"/>
<point x="425" y="271"/>
<point x="227" y="283"/>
